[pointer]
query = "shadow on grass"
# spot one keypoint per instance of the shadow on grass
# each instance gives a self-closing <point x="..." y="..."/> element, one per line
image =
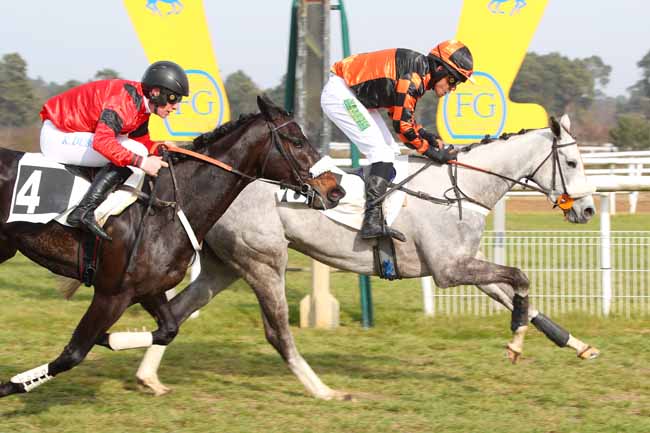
<point x="226" y="363"/>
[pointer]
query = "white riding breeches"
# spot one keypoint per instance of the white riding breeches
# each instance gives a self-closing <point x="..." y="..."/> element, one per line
<point x="76" y="148"/>
<point x="364" y="127"/>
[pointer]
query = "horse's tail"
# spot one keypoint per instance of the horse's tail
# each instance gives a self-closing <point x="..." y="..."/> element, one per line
<point x="68" y="287"/>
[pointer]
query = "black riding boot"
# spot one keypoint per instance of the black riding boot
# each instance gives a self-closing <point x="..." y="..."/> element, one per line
<point x="374" y="225"/>
<point x="84" y="214"/>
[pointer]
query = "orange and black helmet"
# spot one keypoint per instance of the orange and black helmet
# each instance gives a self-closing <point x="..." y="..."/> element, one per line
<point x="456" y="57"/>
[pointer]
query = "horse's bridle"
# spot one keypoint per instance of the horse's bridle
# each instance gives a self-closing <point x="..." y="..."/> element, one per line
<point x="564" y="201"/>
<point x="303" y="187"/>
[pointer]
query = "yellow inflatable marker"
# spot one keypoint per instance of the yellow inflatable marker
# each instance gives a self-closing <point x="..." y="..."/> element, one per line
<point x="171" y="30"/>
<point x="498" y="33"/>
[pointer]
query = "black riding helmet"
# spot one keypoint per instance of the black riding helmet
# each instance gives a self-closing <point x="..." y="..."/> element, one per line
<point x="170" y="78"/>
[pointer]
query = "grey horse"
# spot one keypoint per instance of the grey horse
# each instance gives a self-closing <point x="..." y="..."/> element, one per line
<point x="250" y="241"/>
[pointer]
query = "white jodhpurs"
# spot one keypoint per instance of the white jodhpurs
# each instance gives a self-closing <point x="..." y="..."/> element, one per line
<point x="76" y="148"/>
<point x="364" y="127"/>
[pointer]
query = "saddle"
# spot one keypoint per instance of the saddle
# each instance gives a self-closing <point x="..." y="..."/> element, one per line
<point x="350" y="209"/>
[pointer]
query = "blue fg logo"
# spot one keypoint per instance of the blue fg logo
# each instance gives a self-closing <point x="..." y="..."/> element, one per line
<point x="176" y="6"/>
<point x="494" y="6"/>
<point x="471" y="115"/>
<point x="202" y="110"/>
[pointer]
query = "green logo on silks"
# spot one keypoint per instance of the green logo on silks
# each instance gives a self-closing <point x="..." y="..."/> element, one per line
<point x="356" y="115"/>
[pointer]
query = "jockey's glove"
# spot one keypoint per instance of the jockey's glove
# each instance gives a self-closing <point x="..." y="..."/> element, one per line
<point x="441" y="156"/>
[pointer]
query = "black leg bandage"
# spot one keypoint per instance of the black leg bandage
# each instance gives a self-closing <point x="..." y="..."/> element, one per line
<point x="519" y="312"/>
<point x="552" y="330"/>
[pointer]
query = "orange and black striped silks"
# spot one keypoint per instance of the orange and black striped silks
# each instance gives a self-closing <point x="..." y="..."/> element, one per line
<point x="394" y="79"/>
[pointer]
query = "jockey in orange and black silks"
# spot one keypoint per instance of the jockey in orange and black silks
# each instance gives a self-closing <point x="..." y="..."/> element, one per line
<point x="393" y="79"/>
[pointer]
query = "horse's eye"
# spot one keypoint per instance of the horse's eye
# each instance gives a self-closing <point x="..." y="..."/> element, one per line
<point x="297" y="142"/>
<point x="572" y="163"/>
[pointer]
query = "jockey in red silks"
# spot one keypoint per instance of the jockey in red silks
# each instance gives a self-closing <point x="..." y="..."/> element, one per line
<point x="106" y="124"/>
<point x="394" y="79"/>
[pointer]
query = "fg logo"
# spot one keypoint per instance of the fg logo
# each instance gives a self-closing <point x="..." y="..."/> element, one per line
<point x="201" y="111"/>
<point x="475" y="110"/>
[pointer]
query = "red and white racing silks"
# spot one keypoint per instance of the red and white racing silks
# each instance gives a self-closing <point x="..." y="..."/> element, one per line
<point x="108" y="109"/>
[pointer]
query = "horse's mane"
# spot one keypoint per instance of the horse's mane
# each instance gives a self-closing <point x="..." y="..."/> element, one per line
<point x="489" y="139"/>
<point x="210" y="137"/>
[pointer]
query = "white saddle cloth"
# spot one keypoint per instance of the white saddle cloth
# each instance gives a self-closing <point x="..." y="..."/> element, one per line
<point x="115" y="203"/>
<point x="351" y="207"/>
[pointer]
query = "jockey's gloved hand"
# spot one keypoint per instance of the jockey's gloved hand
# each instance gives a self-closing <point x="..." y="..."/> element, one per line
<point x="441" y="156"/>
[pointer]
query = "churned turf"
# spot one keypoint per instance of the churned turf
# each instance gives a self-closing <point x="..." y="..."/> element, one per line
<point x="409" y="373"/>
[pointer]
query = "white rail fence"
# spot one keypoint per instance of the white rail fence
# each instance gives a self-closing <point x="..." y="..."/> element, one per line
<point x="568" y="271"/>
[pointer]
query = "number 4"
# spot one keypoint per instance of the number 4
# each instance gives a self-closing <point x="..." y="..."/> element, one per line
<point x="33" y="200"/>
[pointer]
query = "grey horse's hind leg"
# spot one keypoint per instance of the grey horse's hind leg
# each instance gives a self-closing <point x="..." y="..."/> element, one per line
<point x="503" y="294"/>
<point x="214" y="278"/>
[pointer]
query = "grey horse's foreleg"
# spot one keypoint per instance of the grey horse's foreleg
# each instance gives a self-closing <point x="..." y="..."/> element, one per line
<point x="269" y="286"/>
<point x="471" y="270"/>
<point x="503" y="294"/>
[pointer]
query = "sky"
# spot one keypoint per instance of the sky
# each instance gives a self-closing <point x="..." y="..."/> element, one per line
<point x="73" y="39"/>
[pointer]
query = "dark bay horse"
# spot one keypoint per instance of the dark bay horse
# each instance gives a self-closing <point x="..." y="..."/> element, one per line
<point x="250" y="241"/>
<point x="264" y="145"/>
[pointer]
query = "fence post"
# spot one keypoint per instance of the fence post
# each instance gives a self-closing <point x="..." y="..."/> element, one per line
<point x="605" y="253"/>
<point x="427" y="296"/>
<point x="320" y="309"/>
<point x="500" y="231"/>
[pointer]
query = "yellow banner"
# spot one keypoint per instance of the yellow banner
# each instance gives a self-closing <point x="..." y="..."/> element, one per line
<point x="171" y="30"/>
<point x="498" y="33"/>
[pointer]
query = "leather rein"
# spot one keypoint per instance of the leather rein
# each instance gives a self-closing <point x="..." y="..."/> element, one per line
<point x="564" y="201"/>
<point x="303" y="187"/>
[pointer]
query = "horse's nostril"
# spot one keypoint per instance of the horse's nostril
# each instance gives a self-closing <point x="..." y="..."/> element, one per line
<point x="336" y="193"/>
<point x="589" y="212"/>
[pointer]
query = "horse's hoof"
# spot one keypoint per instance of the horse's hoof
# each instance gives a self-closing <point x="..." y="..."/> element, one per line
<point x="336" y="395"/>
<point x="9" y="388"/>
<point x="153" y="386"/>
<point x="589" y="353"/>
<point x="513" y="354"/>
<point x="342" y="396"/>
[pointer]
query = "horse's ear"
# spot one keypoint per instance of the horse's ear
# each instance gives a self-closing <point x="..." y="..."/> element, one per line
<point x="565" y="122"/>
<point x="555" y="127"/>
<point x="267" y="107"/>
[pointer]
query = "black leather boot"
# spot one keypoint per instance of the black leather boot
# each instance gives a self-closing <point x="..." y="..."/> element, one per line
<point x="374" y="225"/>
<point x="84" y="214"/>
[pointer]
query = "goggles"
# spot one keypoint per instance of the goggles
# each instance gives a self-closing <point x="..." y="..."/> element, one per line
<point x="173" y="98"/>
<point x="454" y="80"/>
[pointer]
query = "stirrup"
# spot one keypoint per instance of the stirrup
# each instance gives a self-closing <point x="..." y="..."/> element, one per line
<point x="385" y="231"/>
<point x="395" y="234"/>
